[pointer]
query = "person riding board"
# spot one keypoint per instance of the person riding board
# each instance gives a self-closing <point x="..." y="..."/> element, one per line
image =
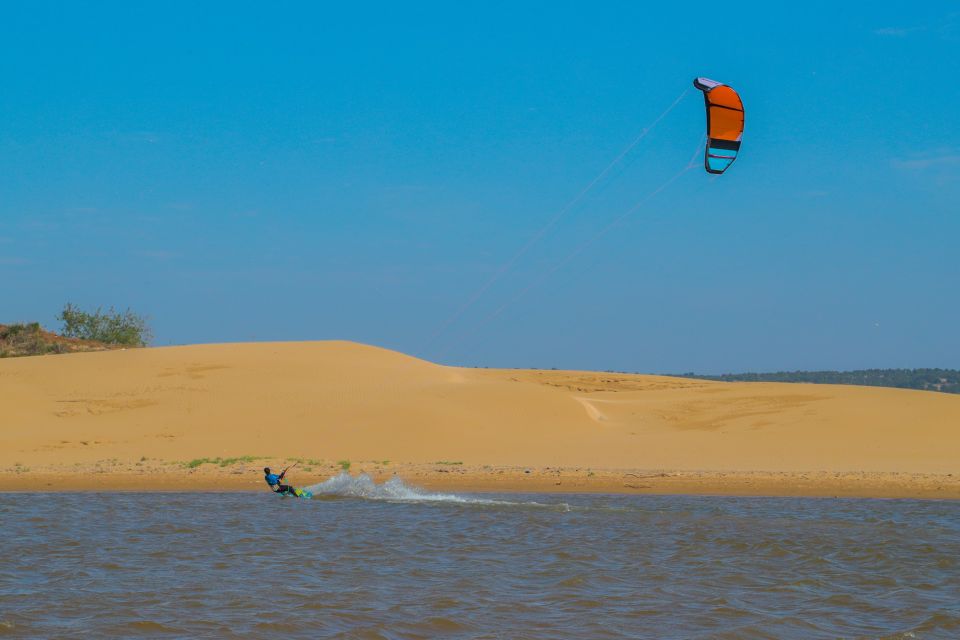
<point x="274" y="481"/>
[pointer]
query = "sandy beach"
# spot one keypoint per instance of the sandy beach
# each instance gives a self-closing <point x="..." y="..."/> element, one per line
<point x="209" y="417"/>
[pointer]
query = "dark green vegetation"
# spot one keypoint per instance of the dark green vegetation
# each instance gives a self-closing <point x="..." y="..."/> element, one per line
<point x="944" y="380"/>
<point x="26" y="339"/>
<point x="82" y="331"/>
<point x="30" y="339"/>
<point x="111" y="327"/>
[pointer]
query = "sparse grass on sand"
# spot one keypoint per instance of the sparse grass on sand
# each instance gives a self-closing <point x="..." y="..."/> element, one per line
<point x="223" y="462"/>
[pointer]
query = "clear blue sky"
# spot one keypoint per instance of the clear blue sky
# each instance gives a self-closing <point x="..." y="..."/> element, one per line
<point x="295" y="171"/>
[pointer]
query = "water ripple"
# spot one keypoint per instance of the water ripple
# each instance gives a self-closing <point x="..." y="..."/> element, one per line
<point x="366" y="561"/>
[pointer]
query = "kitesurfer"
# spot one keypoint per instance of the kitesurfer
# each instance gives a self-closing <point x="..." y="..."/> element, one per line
<point x="274" y="481"/>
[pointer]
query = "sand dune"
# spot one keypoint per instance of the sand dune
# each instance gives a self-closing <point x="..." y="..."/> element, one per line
<point x="338" y="400"/>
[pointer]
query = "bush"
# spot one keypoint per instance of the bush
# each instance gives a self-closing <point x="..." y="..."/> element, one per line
<point x="25" y="339"/>
<point x="111" y="327"/>
<point x="14" y="331"/>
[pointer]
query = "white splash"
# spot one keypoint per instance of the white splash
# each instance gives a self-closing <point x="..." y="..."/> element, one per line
<point x="396" y="490"/>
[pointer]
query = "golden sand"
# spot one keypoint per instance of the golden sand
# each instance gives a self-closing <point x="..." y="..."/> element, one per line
<point x="135" y="419"/>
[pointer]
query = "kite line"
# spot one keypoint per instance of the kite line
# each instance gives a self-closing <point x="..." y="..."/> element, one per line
<point x="691" y="164"/>
<point x="549" y="225"/>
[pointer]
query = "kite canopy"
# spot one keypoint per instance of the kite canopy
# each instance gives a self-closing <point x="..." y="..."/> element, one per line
<point x="724" y="124"/>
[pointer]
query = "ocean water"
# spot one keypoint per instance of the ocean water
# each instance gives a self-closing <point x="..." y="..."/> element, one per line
<point x="387" y="561"/>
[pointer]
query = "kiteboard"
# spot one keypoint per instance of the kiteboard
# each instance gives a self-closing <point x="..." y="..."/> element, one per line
<point x="297" y="493"/>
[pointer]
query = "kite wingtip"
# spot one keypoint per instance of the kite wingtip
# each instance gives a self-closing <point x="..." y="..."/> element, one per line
<point x="705" y="84"/>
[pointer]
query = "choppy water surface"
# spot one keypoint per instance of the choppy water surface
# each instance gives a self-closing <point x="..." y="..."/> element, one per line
<point x="366" y="561"/>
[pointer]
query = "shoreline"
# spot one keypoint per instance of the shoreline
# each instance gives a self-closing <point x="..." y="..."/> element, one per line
<point x="473" y="479"/>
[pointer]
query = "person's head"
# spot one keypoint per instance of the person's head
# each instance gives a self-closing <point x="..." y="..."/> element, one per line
<point x="266" y="470"/>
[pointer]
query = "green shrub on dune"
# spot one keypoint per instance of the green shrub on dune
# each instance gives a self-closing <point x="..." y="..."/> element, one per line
<point x="110" y="327"/>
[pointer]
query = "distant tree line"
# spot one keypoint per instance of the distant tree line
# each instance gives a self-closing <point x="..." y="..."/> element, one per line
<point x="943" y="380"/>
